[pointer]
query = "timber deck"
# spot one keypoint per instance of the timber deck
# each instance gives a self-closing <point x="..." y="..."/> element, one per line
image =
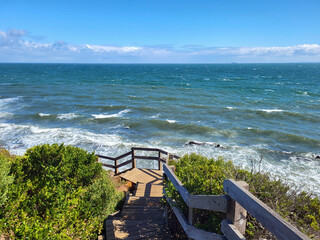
<point x="142" y="216"/>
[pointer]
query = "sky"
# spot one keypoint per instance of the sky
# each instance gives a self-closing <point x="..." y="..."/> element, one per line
<point x="160" y="31"/>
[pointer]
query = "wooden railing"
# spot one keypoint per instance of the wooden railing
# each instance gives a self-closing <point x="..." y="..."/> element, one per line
<point x="132" y="161"/>
<point x="235" y="204"/>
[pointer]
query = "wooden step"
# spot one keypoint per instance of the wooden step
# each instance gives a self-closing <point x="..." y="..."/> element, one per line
<point x="134" y="200"/>
<point x="149" y="190"/>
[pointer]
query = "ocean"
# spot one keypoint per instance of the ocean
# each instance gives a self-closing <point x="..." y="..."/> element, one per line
<point x="253" y="111"/>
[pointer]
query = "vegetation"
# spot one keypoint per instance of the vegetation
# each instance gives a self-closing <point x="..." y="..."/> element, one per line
<point x="205" y="176"/>
<point x="54" y="192"/>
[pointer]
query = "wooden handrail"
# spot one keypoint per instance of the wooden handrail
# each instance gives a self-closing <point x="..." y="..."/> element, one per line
<point x="264" y="214"/>
<point x="107" y="165"/>
<point x="109" y="158"/>
<point x="116" y="165"/>
<point x="237" y="194"/>
<point x="146" y="149"/>
<point x="146" y="157"/>
<point x="123" y="155"/>
<point x="124" y="163"/>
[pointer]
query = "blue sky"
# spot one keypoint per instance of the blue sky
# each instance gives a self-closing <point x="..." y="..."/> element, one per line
<point x="160" y="31"/>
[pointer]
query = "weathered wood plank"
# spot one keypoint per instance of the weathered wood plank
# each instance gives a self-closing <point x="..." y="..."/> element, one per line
<point x="162" y="151"/>
<point x="236" y="213"/>
<point x="124" y="163"/>
<point x="176" y="182"/>
<point x="146" y="157"/>
<point x="209" y="202"/>
<point x="191" y="231"/>
<point x="230" y="231"/>
<point x="264" y="214"/>
<point x="145" y="149"/>
<point x="159" y="162"/>
<point x="123" y="155"/>
<point x="195" y="233"/>
<point x="105" y="157"/>
<point x="108" y="165"/>
<point x="116" y="170"/>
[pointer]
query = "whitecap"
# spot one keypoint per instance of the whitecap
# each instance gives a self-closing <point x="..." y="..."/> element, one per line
<point x="67" y="116"/>
<point x="6" y="115"/>
<point x="155" y="116"/>
<point x="44" y="114"/>
<point x="230" y="108"/>
<point x="171" y="121"/>
<point x="227" y="80"/>
<point x="5" y="101"/>
<point x="21" y="137"/>
<point x="270" y="110"/>
<point x="116" y="115"/>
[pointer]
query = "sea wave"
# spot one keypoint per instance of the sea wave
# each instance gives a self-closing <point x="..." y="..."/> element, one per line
<point x="283" y="137"/>
<point x="6" y="115"/>
<point x="4" y="102"/>
<point x="44" y="114"/>
<point x="116" y="115"/>
<point x="171" y="121"/>
<point x="20" y="137"/>
<point x="300" y="169"/>
<point x="67" y="116"/>
<point x="187" y="128"/>
<point x="271" y="110"/>
<point x="156" y="116"/>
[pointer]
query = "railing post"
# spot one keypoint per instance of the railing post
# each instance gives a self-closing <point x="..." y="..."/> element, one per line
<point x="236" y="213"/>
<point x="133" y="160"/>
<point x="165" y="178"/>
<point x="116" y="171"/>
<point x="159" y="162"/>
<point x="167" y="160"/>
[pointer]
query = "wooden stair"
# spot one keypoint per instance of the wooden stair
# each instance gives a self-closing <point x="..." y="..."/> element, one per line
<point x="142" y="216"/>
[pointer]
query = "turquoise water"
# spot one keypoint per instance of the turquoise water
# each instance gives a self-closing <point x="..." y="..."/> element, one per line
<point x="251" y="110"/>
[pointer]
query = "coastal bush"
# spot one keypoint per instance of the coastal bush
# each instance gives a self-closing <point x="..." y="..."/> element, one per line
<point x="58" y="192"/>
<point x="5" y="178"/>
<point x="201" y="175"/>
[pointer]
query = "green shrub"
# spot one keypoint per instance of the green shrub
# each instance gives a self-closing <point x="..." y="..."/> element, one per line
<point x="58" y="192"/>
<point x="5" y="178"/>
<point x="205" y="176"/>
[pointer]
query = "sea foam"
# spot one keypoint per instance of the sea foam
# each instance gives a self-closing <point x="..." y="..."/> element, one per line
<point x="44" y="114"/>
<point x="171" y="121"/>
<point x="117" y="115"/>
<point x="67" y="116"/>
<point x="270" y="110"/>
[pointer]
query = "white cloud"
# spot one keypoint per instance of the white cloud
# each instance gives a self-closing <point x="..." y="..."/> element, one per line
<point x="17" y="46"/>
<point x="103" y="48"/>
<point x="303" y="49"/>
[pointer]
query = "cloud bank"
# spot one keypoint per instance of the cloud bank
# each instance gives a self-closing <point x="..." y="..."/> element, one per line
<point x="20" y="46"/>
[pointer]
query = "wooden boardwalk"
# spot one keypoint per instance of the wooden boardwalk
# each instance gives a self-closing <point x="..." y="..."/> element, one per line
<point x="142" y="216"/>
